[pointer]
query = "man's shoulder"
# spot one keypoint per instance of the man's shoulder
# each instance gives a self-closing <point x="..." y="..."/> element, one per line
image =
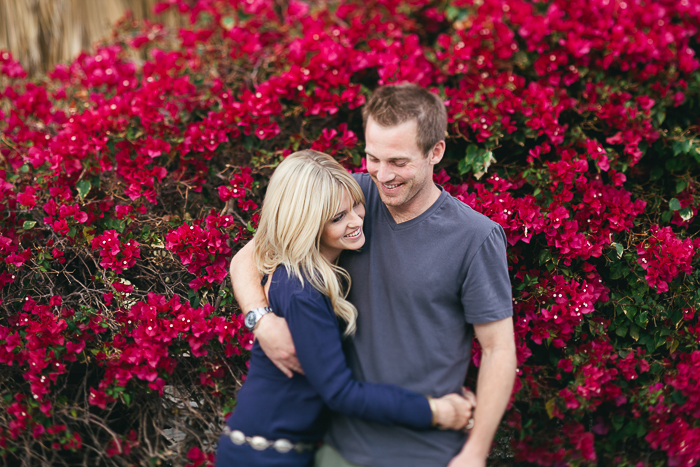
<point x="457" y="212"/>
<point x="364" y="180"/>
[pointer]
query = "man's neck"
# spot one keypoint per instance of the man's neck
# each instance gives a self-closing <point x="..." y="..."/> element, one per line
<point x="416" y="206"/>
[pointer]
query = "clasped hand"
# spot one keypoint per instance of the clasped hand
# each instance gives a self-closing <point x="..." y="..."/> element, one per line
<point x="454" y="411"/>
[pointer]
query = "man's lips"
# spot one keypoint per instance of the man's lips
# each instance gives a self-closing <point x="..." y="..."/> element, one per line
<point x="391" y="187"/>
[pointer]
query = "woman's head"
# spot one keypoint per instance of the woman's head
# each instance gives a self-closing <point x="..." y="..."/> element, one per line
<point x="307" y="191"/>
<point x="312" y="207"/>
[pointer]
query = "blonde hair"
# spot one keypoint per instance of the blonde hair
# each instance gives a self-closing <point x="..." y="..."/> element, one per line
<point x="304" y="193"/>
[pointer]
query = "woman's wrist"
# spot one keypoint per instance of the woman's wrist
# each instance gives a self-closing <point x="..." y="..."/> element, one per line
<point x="433" y="410"/>
<point x="444" y="413"/>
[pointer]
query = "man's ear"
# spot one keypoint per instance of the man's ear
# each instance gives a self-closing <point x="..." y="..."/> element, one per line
<point x="436" y="153"/>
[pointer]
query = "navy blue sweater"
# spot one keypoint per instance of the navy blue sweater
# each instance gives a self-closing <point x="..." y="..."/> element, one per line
<point x="274" y="406"/>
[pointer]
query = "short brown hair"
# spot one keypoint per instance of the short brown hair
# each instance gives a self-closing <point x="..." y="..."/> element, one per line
<point x="396" y="104"/>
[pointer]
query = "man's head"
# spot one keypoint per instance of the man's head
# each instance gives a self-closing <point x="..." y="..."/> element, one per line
<point x="404" y="132"/>
<point x="391" y="106"/>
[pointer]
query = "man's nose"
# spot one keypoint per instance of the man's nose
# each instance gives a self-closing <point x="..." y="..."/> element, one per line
<point x="384" y="174"/>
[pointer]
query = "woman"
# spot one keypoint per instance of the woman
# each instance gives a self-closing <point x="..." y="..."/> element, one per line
<point x="313" y="210"/>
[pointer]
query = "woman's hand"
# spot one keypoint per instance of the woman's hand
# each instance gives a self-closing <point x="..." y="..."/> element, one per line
<point x="454" y="412"/>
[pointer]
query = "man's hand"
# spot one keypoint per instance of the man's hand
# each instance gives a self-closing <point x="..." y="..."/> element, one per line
<point x="276" y="341"/>
<point x="463" y="459"/>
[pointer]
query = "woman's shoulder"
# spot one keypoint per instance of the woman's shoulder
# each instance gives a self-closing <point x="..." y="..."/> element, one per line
<point x="287" y="285"/>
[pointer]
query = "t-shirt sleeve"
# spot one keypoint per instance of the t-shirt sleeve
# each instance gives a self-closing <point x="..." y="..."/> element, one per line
<point x="317" y="339"/>
<point x="486" y="291"/>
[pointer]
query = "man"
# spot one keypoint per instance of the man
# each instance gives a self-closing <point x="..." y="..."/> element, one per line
<point x="431" y="275"/>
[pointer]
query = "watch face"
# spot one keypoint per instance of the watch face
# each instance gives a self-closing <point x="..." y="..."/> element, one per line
<point x="250" y="320"/>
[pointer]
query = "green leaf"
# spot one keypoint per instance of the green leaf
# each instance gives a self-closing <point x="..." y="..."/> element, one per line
<point x="451" y="13"/>
<point x="677" y="147"/>
<point x="24" y="168"/>
<point x="666" y="217"/>
<point x="83" y="187"/>
<point x="617" y="422"/>
<point x="634" y="332"/>
<point x="660" y="117"/>
<point x="463" y="166"/>
<point x="28" y="224"/>
<point x="673" y="345"/>
<point x="686" y="145"/>
<point x="228" y="23"/>
<point x="630" y="311"/>
<point x="678" y="398"/>
<point x="641" y="431"/>
<point x="680" y="185"/>
<point x="193" y="298"/>
<point x="695" y="152"/>
<point x="674" y="204"/>
<point x="656" y="173"/>
<point x="648" y="341"/>
<point x="621" y="331"/>
<point x="619" y="249"/>
<point x="642" y="319"/>
<point x="686" y="214"/>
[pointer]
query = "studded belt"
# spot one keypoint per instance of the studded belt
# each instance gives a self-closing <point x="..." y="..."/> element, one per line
<point x="260" y="444"/>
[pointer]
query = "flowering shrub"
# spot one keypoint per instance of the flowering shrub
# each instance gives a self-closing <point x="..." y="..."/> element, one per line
<point x="127" y="185"/>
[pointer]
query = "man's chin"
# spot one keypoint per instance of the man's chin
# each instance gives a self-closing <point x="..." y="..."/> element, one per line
<point x="392" y="201"/>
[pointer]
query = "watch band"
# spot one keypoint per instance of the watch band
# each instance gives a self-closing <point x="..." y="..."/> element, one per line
<point x="254" y="315"/>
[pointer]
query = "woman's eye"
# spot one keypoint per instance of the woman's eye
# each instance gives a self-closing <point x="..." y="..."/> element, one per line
<point x="336" y="219"/>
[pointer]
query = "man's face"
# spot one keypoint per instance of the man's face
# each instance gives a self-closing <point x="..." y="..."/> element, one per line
<point x="402" y="173"/>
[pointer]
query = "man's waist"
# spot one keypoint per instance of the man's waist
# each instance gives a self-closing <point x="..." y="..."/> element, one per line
<point x="369" y="443"/>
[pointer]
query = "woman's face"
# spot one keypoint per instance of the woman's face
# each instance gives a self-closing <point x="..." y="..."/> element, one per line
<point x="344" y="231"/>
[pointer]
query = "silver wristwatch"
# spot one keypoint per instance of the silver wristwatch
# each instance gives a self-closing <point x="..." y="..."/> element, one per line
<point x="254" y="315"/>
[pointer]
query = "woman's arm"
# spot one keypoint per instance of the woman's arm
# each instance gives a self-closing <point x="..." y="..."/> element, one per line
<point x="317" y="339"/>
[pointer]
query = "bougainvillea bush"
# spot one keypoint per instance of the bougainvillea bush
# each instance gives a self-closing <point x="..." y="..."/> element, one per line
<point x="130" y="176"/>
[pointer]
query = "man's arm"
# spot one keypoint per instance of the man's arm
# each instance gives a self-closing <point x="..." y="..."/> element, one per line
<point x="271" y="331"/>
<point x="493" y="389"/>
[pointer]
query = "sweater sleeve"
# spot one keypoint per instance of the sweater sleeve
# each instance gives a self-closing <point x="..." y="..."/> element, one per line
<point x="317" y="339"/>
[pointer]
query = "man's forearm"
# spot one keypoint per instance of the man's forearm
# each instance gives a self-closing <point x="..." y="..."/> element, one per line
<point x="271" y="331"/>
<point x="494" y="388"/>
<point x="245" y="279"/>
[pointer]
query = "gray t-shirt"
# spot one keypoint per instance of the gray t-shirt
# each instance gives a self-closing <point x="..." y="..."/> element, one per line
<point x="418" y="287"/>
